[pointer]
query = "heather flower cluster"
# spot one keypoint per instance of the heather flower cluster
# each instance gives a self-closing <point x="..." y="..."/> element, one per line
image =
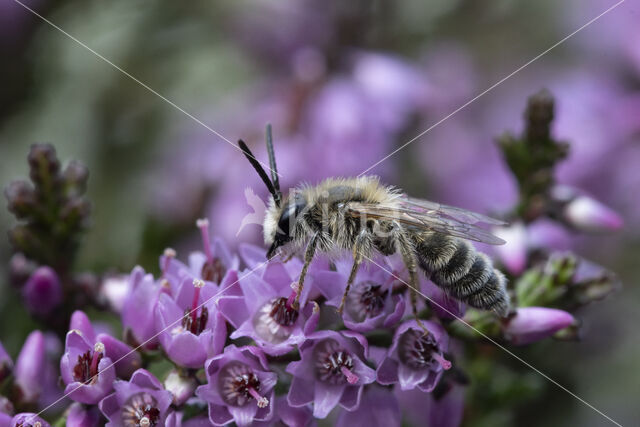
<point x="214" y="337"/>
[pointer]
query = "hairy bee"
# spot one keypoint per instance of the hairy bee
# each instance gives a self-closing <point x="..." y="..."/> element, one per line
<point x="364" y="216"/>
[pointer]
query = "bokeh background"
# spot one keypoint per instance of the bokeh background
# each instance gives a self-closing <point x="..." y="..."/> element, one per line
<point x="343" y="83"/>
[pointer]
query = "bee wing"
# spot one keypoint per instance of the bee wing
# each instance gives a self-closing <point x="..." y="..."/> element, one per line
<point x="459" y="214"/>
<point x="421" y="218"/>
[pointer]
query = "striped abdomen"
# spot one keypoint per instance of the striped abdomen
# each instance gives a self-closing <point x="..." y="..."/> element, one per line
<point x="464" y="273"/>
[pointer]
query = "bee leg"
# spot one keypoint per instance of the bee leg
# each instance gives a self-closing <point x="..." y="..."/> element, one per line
<point x="410" y="261"/>
<point x="357" y="260"/>
<point x="308" y="257"/>
<point x="288" y="257"/>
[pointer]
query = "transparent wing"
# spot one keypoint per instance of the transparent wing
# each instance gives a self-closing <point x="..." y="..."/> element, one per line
<point x="459" y="214"/>
<point x="414" y="215"/>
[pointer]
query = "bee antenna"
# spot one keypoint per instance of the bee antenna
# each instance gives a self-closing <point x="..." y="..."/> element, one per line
<point x="263" y="175"/>
<point x="272" y="159"/>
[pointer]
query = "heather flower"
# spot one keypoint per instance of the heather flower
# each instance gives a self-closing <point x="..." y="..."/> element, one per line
<point x="139" y="307"/>
<point x="513" y="253"/>
<point x="268" y="301"/>
<point x="141" y="401"/>
<point x="212" y="265"/>
<point x="378" y="407"/>
<point x="531" y="324"/>
<point x="28" y="419"/>
<point x="239" y="386"/>
<point x="29" y="367"/>
<point x="286" y="414"/>
<point x="83" y="416"/>
<point x="444" y="407"/>
<point x="124" y="358"/>
<point x="415" y="360"/>
<point x="86" y="371"/>
<point x="191" y="329"/>
<point x="331" y="372"/>
<point x="42" y="292"/>
<point x="370" y="303"/>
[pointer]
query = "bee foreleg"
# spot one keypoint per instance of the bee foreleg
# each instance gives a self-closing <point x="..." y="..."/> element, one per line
<point x="308" y="257"/>
<point x="407" y="251"/>
<point x="357" y="260"/>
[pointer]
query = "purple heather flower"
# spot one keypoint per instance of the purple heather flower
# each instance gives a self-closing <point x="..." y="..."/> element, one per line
<point x="191" y="329"/>
<point x="174" y="419"/>
<point x="83" y="416"/>
<point x="6" y="407"/>
<point x="180" y="386"/>
<point x="331" y="371"/>
<point x="440" y="408"/>
<point x="378" y="406"/>
<point x="286" y="414"/>
<point x="369" y="304"/>
<point x="267" y="305"/>
<point x="85" y="370"/>
<point x="139" y="307"/>
<point x="122" y="355"/>
<point x="415" y="359"/>
<point x="240" y="386"/>
<point x="531" y="324"/>
<point x="42" y="292"/>
<point x="443" y="305"/>
<point x="30" y="366"/>
<point x="212" y="265"/>
<point x="141" y="401"/>
<point x="28" y="419"/>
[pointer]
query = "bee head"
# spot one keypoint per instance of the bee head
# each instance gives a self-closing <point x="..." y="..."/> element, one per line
<point x="280" y="221"/>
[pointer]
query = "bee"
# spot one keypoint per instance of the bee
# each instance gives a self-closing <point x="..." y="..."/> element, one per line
<point x="366" y="217"/>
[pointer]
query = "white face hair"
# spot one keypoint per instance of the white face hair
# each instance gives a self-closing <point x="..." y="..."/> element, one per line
<point x="270" y="224"/>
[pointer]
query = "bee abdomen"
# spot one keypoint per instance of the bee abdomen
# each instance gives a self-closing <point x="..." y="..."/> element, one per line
<point x="465" y="274"/>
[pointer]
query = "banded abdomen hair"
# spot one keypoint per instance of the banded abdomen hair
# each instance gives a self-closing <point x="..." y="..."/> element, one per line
<point x="462" y="272"/>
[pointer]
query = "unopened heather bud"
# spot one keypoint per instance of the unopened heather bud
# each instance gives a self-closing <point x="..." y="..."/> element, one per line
<point x="43" y="163"/>
<point x="20" y="198"/>
<point x="531" y="324"/>
<point x="75" y="177"/>
<point x="20" y="269"/>
<point x="42" y="292"/>
<point x="182" y="387"/>
<point x="538" y="115"/>
<point x="588" y="214"/>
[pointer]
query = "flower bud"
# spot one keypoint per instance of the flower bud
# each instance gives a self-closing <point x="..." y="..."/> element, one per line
<point x="20" y="269"/>
<point x="83" y="416"/>
<point x="21" y="198"/>
<point x="42" y="292"/>
<point x="30" y="366"/>
<point x="43" y="163"/>
<point x="532" y="324"/>
<point x="587" y="214"/>
<point x="75" y="178"/>
<point x="180" y="386"/>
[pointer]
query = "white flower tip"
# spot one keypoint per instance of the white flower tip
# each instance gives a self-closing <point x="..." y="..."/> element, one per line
<point x="144" y="422"/>
<point x="263" y="402"/>
<point x="316" y="307"/>
<point x="202" y="222"/>
<point x="295" y="286"/>
<point x="170" y="253"/>
<point x="98" y="347"/>
<point x="198" y="283"/>
<point x="164" y="284"/>
<point x="37" y="424"/>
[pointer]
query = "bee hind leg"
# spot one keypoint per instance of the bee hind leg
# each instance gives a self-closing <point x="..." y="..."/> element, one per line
<point x="410" y="261"/>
